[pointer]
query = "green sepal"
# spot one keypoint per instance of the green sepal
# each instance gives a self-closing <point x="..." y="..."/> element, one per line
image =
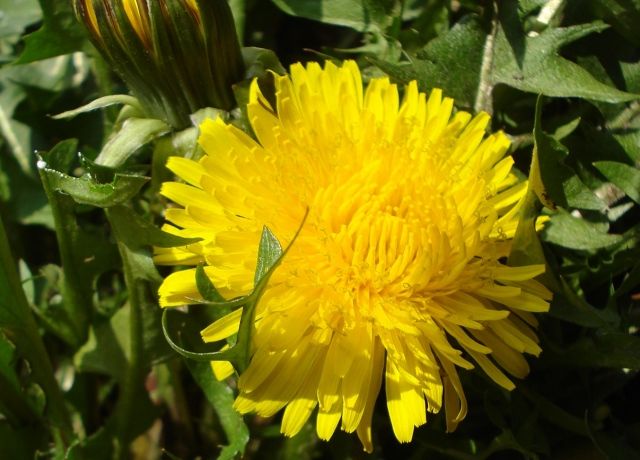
<point x="101" y="103"/>
<point x="270" y="255"/>
<point x="134" y="134"/>
<point x="205" y="287"/>
<point x="142" y="233"/>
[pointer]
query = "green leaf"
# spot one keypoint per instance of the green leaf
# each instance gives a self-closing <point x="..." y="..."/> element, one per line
<point x="568" y="306"/>
<point x="624" y="15"/>
<point x="604" y="349"/>
<point x="453" y="62"/>
<point x="77" y="290"/>
<point x="60" y="33"/>
<point x="107" y="350"/>
<point x="221" y="398"/>
<point x="576" y="233"/>
<point x="16" y="15"/>
<point x="361" y="15"/>
<point x="84" y="190"/>
<point x="258" y="61"/>
<point x="624" y="176"/>
<point x="21" y="443"/>
<point x="544" y="71"/>
<point x="555" y="183"/>
<point x="18" y="325"/>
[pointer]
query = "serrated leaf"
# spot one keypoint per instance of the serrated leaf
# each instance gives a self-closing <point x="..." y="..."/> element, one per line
<point x="361" y="15"/>
<point x="77" y="287"/>
<point x="576" y="233"/>
<point x="60" y="33"/>
<point x="86" y="191"/>
<point x="544" y="71"/>
<point x="624" y="176"/>
<point x="453" y="62"/>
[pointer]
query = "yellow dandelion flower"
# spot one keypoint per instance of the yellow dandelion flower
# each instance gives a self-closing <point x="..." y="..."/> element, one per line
<point x="397" y="273"/>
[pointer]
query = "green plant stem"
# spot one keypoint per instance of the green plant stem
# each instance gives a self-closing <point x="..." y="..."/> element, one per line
<point x="19" y="326"/>
<point x="133" y="384"/>
<point x="77" y="295"/>
<point x="625" y="117"/>
<point x="180" y="405"/>
<point x="134" y="380"/>
<point x="485" y="86"/>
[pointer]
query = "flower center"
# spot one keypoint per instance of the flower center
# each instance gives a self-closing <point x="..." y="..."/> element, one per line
<point x="385" y="236"/>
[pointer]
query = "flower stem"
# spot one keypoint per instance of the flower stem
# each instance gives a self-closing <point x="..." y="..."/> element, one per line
<point x="133" y="382"/>
<point x="76" y="290"/>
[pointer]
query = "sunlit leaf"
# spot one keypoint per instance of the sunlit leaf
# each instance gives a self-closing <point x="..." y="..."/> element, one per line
<point x="576" y="233"/>
<point x="367" y="15"/>
<point x="60" y="33"/>
<point x="453" y="61"/>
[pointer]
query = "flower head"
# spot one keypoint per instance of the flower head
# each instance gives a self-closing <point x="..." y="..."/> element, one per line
<point x="396" y="276"/>
<point x="176" y="56"/>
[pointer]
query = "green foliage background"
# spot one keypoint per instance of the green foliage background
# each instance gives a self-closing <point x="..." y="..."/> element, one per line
<point x="85" y="371"/>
